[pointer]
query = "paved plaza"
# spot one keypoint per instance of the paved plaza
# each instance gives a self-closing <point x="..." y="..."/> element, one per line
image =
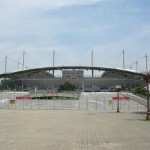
<point x="73" y="130"/>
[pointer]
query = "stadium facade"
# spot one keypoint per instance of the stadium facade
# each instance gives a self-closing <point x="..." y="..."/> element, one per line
<point x="44" y="80"/>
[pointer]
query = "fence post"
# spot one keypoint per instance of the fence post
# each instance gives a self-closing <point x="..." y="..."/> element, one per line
<point x="15" y="99"/>
<point x="47" y="102"/>
<point x="1" y="102"/>
<point x="23" y="102"/>
<point x="87" y="103"/>
<point x="62" y="104"/>
<point x="79" y="104"/>
<point x="104" y="103"/>
<point x="73" y="103"/>
<point x="54" y="104"/>
<point x="30" y="101"/>
<point x="70" y="104"/>
<point x="96" y="103"/>
<point x="120" y="104"/>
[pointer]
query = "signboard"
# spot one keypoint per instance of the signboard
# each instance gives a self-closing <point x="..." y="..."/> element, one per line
<point x="23" y="98"/>
<point x="50" y="91"/>
<point x="12" y="101"/>
<point x="120" y="98"/>
<point x="110" y="102"/>
<point x="72" y="74"/>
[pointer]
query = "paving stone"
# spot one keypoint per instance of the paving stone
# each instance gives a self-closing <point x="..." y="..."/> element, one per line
<point x="73" y="130"/>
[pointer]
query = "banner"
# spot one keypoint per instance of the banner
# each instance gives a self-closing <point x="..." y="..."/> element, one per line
<point x="120" y="98"/>
<point x="23" y="98"/>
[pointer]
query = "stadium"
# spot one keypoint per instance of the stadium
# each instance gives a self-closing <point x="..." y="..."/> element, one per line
<point x="43" y="79"/>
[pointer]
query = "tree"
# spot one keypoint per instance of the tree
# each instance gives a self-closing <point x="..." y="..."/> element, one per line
<point x="67" y="86"/>
<point x="141" y="90"/>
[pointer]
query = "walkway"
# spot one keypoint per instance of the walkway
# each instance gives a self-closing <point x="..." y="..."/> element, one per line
<point x="73" y="130"/>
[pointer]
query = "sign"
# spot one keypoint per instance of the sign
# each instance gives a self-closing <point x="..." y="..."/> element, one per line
<point x="23" y="98"/>
<point x="12" y="101"/>
<point x="72" y="76"/>
<point x="110" y="102"/>
<point x="117" y="87"/>
<point x="120" y="98"/>
<point x="50" y="91"/>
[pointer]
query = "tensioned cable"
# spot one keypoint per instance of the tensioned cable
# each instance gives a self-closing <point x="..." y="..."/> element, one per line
<point x="33" y="62"/>
<point x="137" y="60"/>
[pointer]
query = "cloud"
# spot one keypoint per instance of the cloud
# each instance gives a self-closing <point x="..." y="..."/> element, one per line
<point x="24" y="18"/>
<point x="47" y="4"/>
<point x="54" y="4"/>
<point x="136" y="46"/>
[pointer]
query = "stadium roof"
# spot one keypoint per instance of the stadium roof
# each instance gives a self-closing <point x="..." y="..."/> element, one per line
<point x="45" y="69"/>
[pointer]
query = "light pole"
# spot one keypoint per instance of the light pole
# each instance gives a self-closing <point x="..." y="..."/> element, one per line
<point x="147" y="79"/>
<point x="118" y="89"/>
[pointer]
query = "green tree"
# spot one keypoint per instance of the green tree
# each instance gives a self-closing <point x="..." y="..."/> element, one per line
<point x="141" y="90"/>
<point x="67" y="86"/>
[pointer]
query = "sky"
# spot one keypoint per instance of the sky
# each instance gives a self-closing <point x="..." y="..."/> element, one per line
<point x="73" y="28"/>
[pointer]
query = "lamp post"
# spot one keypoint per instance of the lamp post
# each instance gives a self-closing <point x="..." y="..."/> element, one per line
<point x="118" y="89"/>
<point x="147" y="79"/>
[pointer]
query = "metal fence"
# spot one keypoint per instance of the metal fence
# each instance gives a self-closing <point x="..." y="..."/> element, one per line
<point x="84" y="103"/>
